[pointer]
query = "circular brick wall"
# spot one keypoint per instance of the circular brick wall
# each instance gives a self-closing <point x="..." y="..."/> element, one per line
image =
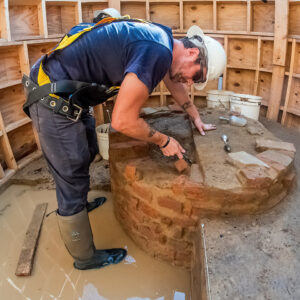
<point x="160" y="208"/>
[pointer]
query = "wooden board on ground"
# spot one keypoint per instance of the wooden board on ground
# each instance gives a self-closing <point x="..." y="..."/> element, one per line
<point x="26" y="258"/>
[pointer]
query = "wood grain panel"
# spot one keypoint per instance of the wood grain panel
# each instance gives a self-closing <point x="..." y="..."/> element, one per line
<point x="266" y="55"/>
<point x="36" y="51"/>
<point x="88" y="10"/>
<point x="195" y="13"/>
<point x="10" y="68"/>
<point x="263" y="17"/>
<point x="240" y="81"/>
<point x="264" y="86"/>
<point x="134" y="9"/>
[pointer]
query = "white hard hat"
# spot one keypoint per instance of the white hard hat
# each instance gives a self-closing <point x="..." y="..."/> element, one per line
<point x="215" y="55"/>
<point x="108" y="11"/>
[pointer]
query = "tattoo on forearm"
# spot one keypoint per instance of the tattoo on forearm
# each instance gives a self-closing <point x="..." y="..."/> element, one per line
<point x="186" y="105"/>
<point x="151" y="132"/>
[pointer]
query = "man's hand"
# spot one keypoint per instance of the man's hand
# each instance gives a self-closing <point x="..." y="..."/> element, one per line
<point x="173" y="148"/>
<point x="203" y="127"/>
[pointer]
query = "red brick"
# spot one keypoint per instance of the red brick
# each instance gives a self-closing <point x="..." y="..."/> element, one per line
<point x="184" y="221"/>
<point x="148" y="210"/>
<point x="142" y="191"/>
<point x="131" y="173"/>
<point x="194" y="191"/>
<point x="178" y="184"/>
<point x="187" y="208"/>
<point x="276" y="160"/>
<point x="166" y="220"/>
<point x="128" y="150"/>
<point x="181" y="165"/>
<point x="146" y="232"/>
<point x="289" y="179"/>
<point x="255" y="177"/>
<point x="180" y="245"/>
<point x="170" y="203"/>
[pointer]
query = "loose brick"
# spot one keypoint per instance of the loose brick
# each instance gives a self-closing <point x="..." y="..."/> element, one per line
<point x="243" y="159"/>
<point x="142" y="191"/>
<point x="276" y="160"/>
<point x="170" y="203"/>
<point x="254" y="177"/>
<point x="181" y="165"/>
<point x="263" y="144"/>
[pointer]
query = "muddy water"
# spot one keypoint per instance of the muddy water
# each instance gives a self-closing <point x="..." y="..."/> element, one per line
<point x="139" y="277"/>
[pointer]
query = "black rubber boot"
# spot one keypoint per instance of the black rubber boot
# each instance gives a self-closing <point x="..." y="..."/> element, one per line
<point x="95" y="203"/>
<point x="78" y="238"/>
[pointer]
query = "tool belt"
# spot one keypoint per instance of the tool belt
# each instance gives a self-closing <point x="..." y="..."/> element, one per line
<point x="66" y="97"/>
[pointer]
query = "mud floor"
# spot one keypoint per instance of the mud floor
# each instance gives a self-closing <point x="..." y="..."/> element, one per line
<point x="139" y="277"/>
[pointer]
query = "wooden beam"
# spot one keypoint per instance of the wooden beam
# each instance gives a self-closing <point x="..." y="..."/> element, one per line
<point x="288" y="91"/>
<point x="8" y="153"/>
<point x="279" y="57"/>
<point x="115" y="4"/>
<point x="257" y="66"/>
<point x="225" y="72"/>
<point x="26" y="258"/>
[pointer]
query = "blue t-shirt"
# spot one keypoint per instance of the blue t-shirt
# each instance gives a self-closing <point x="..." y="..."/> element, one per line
<point x="106" y="54"/>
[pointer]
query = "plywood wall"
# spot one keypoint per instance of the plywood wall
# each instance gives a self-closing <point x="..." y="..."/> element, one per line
<point x="246" y="29"/>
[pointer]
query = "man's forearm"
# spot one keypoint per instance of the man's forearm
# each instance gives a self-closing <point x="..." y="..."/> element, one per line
<point x="141" y="130"/>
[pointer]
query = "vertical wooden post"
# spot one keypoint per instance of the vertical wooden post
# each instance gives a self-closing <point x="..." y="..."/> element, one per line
<point x="99" y="116"/>
<point x="162" y="94"/>
<point x="226" y="51"/>
<point x="248" y="16"/>
<point x="147" y="10"/>
<point x="79" y="11"/>
<point x="43" y="17"/>
<point x="288" y="91"/>
<point x="8" y="153"/>
<point x="215" y="15"/>
<point x="257" y="66"/>
<point x="5" y="25"/>
<point x="115" y="4"/>
<point x="181" y="15"/>
<point x="24" y="58"/>
<point x="279" y="57"/>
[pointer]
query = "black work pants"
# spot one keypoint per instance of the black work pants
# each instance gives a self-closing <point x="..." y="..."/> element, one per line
<point x="69" y="148"/>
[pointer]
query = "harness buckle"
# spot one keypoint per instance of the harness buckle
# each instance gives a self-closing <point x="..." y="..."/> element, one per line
<point x="76" y="114"/>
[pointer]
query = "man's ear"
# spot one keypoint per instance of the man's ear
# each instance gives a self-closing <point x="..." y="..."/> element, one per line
<point x="193" y="52"/>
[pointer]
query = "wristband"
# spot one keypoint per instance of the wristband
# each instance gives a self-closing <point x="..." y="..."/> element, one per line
<point x="166" y="144"/>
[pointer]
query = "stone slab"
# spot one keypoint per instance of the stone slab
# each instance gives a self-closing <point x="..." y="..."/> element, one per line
<point x="243" y="159"/>
<point x="263" y="144"/>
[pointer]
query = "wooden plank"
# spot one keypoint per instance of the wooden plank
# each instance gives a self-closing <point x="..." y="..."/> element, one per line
<point x="264" y="86"/>
<point x="288" y="92"/>
<point x="147" y="10"/>
<point x="166" y="14"/>
<point x="6" y="23"/>
<point x="214" y="15"/>
<point x="134" y="9"/>
<point x="279" y="57"/>
<point x="29" y="158"/>
<point x="26" y="258"/>
<point x="197" y="13"/>
<point x="281" y="31"/>
<point x="8" y="153"/>
<point x="115" y="4"/>
<point x="88" y="10"/>
<point x="2" y="174"/>
<point x="24" y="59"/>
<point x="248" y="16"/>
<point x="257" y="66"/>
<point x="17" y="124"/>
<point x="294" y="19"/>
<point x="181" y="15"/>
<point x="266" y="56"/>
<point x="99" y="116"/>
<point x="262" y="17"/>
<point x="225" y="72"/>
<point x="227" y="16"/>
<point x="23" y="21"/>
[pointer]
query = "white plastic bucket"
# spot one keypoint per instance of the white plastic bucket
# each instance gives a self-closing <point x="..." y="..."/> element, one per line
<point x="102" y="137"/>
<point x="246" y="105"/>
<point x="218" y="98"/>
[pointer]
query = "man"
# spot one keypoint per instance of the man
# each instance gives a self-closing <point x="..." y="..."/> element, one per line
<point x="135" y="56"/>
